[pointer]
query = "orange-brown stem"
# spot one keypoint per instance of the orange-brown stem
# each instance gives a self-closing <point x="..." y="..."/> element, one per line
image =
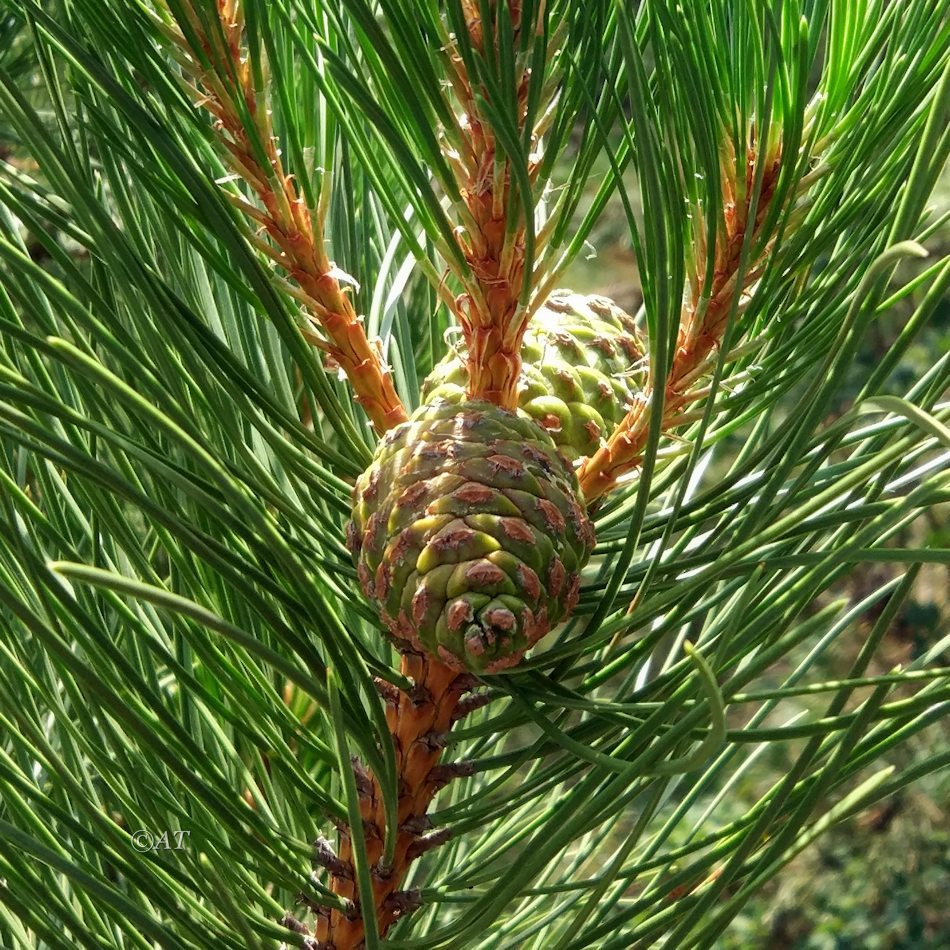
<point x="284" y="216"/>
<point x="701" y="332"/>
<point x="493" y="239"/>
<point x="418" y="719"/>
<point x="497" y="261"/>
<point x="494" y="367"/>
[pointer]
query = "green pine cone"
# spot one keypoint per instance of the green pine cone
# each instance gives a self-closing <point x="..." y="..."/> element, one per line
<point x="581" y="370"/>
<point x="469" y="534"/>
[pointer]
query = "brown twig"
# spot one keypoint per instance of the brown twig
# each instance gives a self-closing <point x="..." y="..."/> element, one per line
<point x="702" y="327"/>
<point x="418" y="720"/>
<point x="224" y="86"/>
<point x="492" y="240"/>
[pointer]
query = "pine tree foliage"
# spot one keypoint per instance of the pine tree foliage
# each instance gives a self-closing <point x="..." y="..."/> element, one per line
<point x="212" y="212"/>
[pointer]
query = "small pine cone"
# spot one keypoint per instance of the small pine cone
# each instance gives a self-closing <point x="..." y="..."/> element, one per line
<point x="582" y="365"/>
<point x="469" y="534"/>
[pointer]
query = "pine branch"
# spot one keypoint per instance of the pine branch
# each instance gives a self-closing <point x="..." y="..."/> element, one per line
<point x="162" y="446"/>
<point x="496" y="236"/>
<point x="222" y="71"/>
<point x="703" y="323"/>
<point x="418" y="720"/>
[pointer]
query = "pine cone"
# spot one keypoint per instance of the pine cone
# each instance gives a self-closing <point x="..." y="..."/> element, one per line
<point x="469" y="534"/>
<point x="581" y="369"/>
